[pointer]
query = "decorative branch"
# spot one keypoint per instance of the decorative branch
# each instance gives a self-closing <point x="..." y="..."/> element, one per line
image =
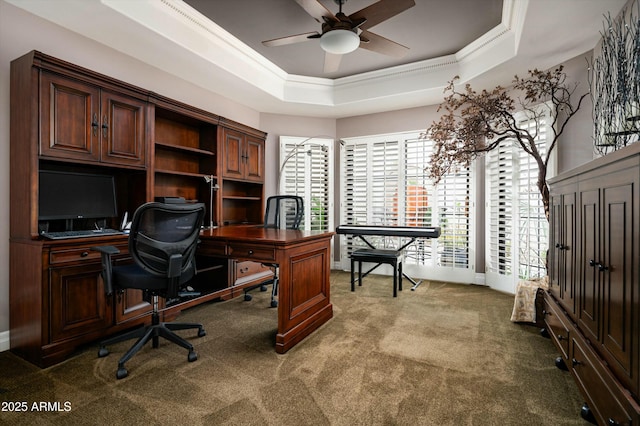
<point x="475" y="123"/>
<point x="614" y="79"/>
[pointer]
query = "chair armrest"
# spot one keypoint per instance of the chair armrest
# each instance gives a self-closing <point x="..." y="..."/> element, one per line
<point x="107" y="276"/>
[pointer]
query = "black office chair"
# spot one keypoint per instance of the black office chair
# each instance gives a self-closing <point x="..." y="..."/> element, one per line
<point x="282" y="212"/>
<point x="162" y="243"/>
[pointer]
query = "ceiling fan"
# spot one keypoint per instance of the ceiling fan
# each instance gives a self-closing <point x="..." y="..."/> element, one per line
<point x="343" y="34"/>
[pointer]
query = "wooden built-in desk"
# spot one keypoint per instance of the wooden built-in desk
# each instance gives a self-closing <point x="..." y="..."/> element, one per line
<point x="304" y="259"/>
<point x="67" y="118"/>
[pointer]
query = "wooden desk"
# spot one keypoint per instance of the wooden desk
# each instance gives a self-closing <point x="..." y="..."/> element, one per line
<point x="305" y="266"/>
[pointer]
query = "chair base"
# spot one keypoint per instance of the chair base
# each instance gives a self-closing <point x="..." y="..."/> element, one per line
<point x="152" y="332"/>
<point x="263" y="287"/>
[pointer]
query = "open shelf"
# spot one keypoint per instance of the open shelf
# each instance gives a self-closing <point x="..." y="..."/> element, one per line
<point x="180" y="173"/>
<point x="241" y="197"/>
<point x="176" y="148"/>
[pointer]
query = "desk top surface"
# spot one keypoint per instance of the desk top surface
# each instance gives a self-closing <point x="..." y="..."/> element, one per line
<point x="252" y="233"/>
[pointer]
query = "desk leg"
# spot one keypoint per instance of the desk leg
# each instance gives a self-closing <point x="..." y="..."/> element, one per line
<point x="303" y="303"/>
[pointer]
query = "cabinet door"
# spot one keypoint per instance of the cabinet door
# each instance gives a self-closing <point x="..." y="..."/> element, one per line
<point x="254" y="159"/>
<point x="122" y="129"/>
<point x="233" y="160"/>
<point x="77" y="300"/>
<point x="555" y="224"/>
<point x="69" y="118"/>
<point x="618" y="271"/>
<point x="589" y="285"/>
<point x="562" y="259"/>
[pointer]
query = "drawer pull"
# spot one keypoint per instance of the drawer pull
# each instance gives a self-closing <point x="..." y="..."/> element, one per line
<point x="84" y="254"/>
<point x="612" y="422"/>
<point x="560" y="337"/>
<point x="575" y="362"/>
<point x="250" y="252"/>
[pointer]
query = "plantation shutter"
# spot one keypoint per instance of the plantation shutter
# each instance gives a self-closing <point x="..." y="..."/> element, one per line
<point x="517" y="229"/>
<point x="370" y="187"/>
<point x="533" y="227"/>
<point x="306" y="166"/>
<point x="500" y="171"/>
<point x="385" y="182"/>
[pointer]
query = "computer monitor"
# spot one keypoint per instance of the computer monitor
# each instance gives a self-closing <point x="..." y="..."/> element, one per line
<point x="65" y="195"/>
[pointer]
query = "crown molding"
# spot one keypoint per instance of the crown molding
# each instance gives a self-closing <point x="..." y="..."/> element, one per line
<point x="205" y="54"/>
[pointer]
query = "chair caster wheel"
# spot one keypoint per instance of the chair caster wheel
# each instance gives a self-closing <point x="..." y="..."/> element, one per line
<point x="263" y="288"/>
<point x="103" y="352"/>
<point x="247" y="297"/>
<point x="121" y="373"/>
<point x="192" y="356"/>
<point x="274" y="303"/>
<point x="202" y="333"/>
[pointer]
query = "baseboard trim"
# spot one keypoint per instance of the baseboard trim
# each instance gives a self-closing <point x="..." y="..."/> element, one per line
<point x="5" y="343"/>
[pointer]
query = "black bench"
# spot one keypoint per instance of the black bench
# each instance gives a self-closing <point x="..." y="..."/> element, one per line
<point x="378" y="256"/>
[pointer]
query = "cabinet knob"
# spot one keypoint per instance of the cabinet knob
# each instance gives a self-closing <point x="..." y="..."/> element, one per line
<point x="560" y="337"/>
<point x="84" y="254"/>
<point x="575" y="362"/>
<point x="250" y="252"/>
<point x="600" y="266"/>
<point x="105" y="126"/>
<point x="612" y="422"/>
<point x="95" y="125"/>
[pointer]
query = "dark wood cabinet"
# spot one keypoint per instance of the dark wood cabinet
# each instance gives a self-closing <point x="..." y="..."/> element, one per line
<point x="82" y="122"/>
<point x="601" y="341"/>
<point x="243" y="156"/>
<point x="78" y="303"/>
<point x="70" y="119"/>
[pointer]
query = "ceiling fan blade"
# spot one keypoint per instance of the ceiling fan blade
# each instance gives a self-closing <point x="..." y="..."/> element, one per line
<point x="382" y="45"/>
<point x="290" y="39"/>
<point x="380" y="11"/>
<point x="317" y="10"/>
<point x="331" y="62"/>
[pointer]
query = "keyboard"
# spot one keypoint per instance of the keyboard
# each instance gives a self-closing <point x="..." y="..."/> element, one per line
<point x="61" y="235"/>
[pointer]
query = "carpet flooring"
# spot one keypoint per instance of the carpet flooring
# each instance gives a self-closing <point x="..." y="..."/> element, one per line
<point x="445" y="354"/>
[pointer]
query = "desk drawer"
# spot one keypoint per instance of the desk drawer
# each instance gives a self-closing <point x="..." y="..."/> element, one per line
<point x="212" y="248"/>
<point x="607" y="399"/>
<point x="77" y="254"/>
<point x="249" y="251"/>
<point x="558" y="329"/>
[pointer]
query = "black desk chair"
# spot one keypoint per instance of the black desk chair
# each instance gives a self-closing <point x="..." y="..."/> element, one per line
<point x="282" y="212"/>
<point x="162" y="243"/>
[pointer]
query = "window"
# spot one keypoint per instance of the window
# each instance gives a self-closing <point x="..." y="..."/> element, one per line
<point x="306" y="166"/>
<point x="517" y="230"/>
<point x="384" y="182"/>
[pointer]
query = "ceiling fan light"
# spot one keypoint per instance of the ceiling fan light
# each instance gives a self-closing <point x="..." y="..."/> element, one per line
<point x="339" y="42"/>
